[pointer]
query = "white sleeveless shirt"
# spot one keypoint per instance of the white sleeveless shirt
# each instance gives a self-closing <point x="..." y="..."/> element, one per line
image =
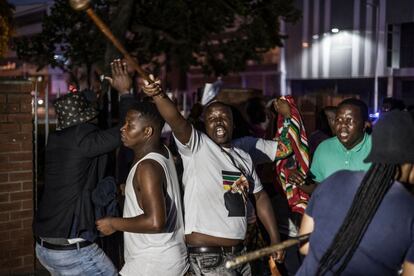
<point x="161" y="253"/>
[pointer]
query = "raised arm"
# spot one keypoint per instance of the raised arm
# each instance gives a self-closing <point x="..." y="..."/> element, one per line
<point x="122" y="82"/>
<point x="148" y="182"/>
<point x="98" y="142"/>
<point x="168" y="110"/>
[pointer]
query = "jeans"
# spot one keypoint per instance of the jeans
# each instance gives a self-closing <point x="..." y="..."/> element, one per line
<point x="89" y="260"/>
<point x="211" y="264"/>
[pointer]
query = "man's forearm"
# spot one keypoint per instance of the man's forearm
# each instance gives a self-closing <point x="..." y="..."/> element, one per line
<point x="267" y="216"/>
<point x="139" y="224"/>
<point x="168" y="110"/>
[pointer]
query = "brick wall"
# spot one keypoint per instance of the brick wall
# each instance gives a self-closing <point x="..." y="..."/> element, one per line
<point x="16" y="178"/>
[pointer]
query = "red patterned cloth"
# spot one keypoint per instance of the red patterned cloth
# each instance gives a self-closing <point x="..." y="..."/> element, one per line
<point x="293" y="130"/>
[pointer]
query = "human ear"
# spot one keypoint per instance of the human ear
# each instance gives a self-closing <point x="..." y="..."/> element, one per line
<point x="367" y="125"/>
<point x="148" y="131"/>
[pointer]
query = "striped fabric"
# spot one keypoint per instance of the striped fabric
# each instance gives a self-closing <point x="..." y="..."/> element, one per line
<point x="293" y="129"/>
<point x="229" y="178"/>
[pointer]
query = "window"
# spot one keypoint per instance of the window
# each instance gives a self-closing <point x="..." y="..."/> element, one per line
<point x="407" y="42"/>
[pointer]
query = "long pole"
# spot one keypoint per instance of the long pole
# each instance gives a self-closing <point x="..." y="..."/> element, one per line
<point x="85" y="5"/>
<point x="265" y="251"/>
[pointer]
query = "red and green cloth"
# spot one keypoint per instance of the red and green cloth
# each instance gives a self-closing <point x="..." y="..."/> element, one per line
<point x="292" y="129"/>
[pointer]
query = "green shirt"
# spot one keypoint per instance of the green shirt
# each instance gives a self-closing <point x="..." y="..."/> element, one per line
<point x="331" y="156"/>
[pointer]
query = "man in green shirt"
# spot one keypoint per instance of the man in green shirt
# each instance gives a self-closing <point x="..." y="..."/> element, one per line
<point x="332" y="156"/>
<point x="345" y="151"/>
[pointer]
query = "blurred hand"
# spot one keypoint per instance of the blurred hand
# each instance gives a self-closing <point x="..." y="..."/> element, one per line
<point x="279" y="256"/>
<point x="152" y="89"/>
<point x="104" y="226"/>
<point x="241" y="186"/>
<point x="296" y="178"/>
<point x="242" y="183"/>
<point x="282" y="107"/>
<point x="122" y="187"/>
<point x="120" y="79"/>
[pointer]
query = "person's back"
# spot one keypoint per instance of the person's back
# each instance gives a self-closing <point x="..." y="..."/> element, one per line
<point x="162" y="253"/>
<point x="72" y="160"/>
<point x="64" y="224"/>
<point x="385" y="243"/>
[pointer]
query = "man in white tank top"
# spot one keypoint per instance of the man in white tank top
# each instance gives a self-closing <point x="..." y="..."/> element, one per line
<point x="217" y="177"/>
<point x="152" y="220"/>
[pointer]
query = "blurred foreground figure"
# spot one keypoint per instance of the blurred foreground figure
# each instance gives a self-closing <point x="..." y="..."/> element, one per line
<point x="367" y="229"/>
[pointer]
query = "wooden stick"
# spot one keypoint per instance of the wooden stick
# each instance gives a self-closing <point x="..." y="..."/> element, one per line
<point x="84" y="5"/>
<point x="265" y="251"/>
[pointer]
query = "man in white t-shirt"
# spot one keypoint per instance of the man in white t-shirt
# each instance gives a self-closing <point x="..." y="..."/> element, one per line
<point x="152" y="219"/>
<point x="216" y="179"/>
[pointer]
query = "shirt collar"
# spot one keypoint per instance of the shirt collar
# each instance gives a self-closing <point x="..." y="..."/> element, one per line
<point x="358" y="147"/>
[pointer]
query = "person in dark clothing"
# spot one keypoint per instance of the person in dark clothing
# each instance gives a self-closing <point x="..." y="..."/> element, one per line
<point x="390" y="103"/>
<point x="64" y="225"/>
<point x="241" y="126"/>
<point x="324" y="128"/>
<point x="195" y="116"/>
<point x="256" y="113"/>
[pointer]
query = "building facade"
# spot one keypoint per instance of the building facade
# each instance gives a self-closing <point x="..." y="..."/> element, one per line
<point x="355" y="47"/>
<point x="28" y="18"/>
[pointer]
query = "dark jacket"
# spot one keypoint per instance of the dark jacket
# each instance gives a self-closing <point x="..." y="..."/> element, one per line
<point x="104" y="198"/>
<point x="75" y="162"/>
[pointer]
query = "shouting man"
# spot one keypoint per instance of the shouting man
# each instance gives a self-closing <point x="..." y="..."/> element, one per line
<point x="217" y="179"/>
<point x="347" y="150"/>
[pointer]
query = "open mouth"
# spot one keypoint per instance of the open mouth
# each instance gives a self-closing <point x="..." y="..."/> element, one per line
<point x="220" y="132"/>
<point x="343" y="134"/>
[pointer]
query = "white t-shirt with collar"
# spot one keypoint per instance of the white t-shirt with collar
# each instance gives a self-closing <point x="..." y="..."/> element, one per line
<point x="210" y="207"/>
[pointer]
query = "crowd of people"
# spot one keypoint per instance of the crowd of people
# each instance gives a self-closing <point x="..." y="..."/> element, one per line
<point x="224" y="186"/>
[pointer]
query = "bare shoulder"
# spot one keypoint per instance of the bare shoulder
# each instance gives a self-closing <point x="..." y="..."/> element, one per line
<point x="148" y="170"/>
